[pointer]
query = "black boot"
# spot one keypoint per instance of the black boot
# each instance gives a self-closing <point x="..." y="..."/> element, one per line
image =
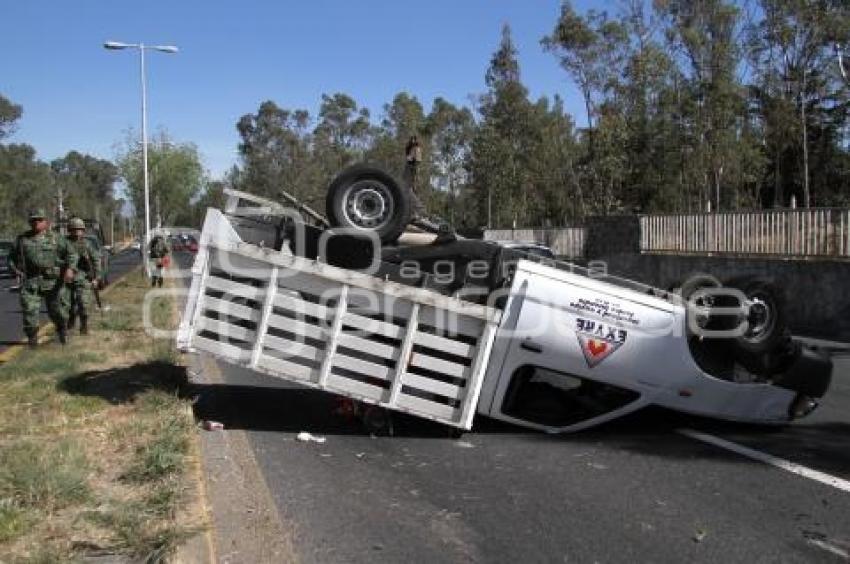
<point x="71" y="320"/>
<point x="84" y="325"/>
<point x="62" y="333"/>
<point x="153" y="281"/>
<point x="32" y="338"/>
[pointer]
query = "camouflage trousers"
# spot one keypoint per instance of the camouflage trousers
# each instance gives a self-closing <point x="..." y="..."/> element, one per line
<point x="54" y="292"/>
<point x="82" y="298"/>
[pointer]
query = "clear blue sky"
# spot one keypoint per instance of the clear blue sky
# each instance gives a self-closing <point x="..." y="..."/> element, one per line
<point x="234" y="55"/>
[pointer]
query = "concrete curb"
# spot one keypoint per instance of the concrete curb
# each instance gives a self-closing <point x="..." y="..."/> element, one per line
<point x="245" y="523"/>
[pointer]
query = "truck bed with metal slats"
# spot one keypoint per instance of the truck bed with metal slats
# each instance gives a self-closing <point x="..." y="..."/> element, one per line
<point x="400" y="347"/>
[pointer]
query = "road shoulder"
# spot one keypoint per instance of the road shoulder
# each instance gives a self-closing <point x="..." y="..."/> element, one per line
<point x="246" y="526"/>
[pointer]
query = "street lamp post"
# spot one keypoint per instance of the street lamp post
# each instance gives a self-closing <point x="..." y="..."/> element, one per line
<point x="115" y="45"/>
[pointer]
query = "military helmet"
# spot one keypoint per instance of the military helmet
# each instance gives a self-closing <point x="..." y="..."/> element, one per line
<point x="37" y="213"/>
<point x="76" y="223"/>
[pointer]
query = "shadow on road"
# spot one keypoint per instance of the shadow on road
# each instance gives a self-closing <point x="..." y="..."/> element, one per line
<point x="292" y="410"/>
<point x="651" y="432"/>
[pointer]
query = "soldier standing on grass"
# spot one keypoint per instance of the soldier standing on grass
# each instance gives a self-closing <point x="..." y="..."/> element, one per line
<point x="88" y="275"/>
<point x="45" y="262"/>
<point x="159" y="258"/>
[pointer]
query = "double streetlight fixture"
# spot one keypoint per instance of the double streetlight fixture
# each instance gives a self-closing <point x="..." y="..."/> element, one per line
<point x="116" y="45"/>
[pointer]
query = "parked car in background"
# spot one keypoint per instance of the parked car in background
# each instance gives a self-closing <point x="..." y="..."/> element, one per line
<point x="5" y="249"/>
<point x="191" y="244"/>
<point x="175" y="243"/>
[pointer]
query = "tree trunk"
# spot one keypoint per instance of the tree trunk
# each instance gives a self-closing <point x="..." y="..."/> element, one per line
<point x="778" y="196"/>
<point x="805" y="142"/>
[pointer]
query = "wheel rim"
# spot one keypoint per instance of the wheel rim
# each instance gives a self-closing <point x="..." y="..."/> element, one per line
<point x="368" y="204"/>
<point x="702" y="304"/>
<point x="760" y="319"/>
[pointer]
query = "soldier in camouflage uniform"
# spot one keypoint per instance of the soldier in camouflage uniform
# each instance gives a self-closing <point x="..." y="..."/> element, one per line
<point x="88" y="275"/>
<point x="159" y="259"/>
<point x="44" y="260"/>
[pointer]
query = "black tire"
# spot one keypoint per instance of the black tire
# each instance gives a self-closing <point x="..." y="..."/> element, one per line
<point x="367" y="198"/>
<point x="775" y="361"/>
<point x="766" y="318"/>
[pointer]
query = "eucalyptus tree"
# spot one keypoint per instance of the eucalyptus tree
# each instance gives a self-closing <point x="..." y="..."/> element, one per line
<point x="499" y="155"/>
<point x="275" y="150"/>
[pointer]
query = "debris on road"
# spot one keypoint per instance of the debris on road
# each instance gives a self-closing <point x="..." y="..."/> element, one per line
<point x="699" y="536"/>
<point x="306" y="437"/>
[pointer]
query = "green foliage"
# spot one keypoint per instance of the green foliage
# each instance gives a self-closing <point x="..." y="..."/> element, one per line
<point x="274" y="150"/>
<point x="13" y="519"/>
<point x="175" y="177"/>
<point x="688" y="105"/>
<point x="132" y="525"/>
<point x="165" y="453"/>
<point x="82" y="183"/>
<point x="9" y="114"/>
<point x="87" y="185"/>
<point x="25" y="183"/>
<point x="43" y="476"/>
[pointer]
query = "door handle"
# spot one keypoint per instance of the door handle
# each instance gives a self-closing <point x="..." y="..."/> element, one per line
<point x="531" y="346"/>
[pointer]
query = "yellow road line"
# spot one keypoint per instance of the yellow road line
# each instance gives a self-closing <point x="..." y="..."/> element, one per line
<point x="45" y="329"/>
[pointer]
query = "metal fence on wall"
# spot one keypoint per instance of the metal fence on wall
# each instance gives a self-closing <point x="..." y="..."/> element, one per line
<point x="813" y="232"/>
<point x="565" y="241"/>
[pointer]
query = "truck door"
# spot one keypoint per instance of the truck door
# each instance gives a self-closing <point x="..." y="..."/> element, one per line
<point x="571" y="351"/>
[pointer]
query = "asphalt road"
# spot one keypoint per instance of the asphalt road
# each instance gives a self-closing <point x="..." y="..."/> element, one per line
<point x="636" y="490"/>
<point x="11" y="331"/>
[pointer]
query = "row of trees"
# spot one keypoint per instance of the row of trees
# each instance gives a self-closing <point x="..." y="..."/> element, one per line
<point x="80" y="184"/>
<point x="689" y="104"/>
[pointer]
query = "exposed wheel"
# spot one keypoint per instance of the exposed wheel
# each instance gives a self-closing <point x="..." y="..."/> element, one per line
<point x="699" y="303"/>
<point x="766" y="328"/>
<point x="367" y="198"/>
<point x="775" y="361"/>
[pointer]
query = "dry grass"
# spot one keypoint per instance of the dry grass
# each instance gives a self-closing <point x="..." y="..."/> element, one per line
<point x="94" y="440"/>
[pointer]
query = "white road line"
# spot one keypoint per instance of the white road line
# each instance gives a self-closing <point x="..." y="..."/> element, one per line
<point x="829" y="548"/>
<point x="841" y="484"/>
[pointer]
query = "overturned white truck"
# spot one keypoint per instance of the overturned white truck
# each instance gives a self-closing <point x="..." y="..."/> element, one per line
<point x="455" y="327"/>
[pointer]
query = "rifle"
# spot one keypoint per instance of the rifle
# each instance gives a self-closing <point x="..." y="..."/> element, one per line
<point x="21" y="267"/>
<point x="95" y="289"/>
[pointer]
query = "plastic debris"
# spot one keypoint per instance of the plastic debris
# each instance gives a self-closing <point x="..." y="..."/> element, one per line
<point x="699" y="535"/>
<point x="306" y="437"/>
<point x="213" y="426"/>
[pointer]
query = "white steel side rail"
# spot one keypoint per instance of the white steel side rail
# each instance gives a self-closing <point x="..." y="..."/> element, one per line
<point x="458" y="414"/>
